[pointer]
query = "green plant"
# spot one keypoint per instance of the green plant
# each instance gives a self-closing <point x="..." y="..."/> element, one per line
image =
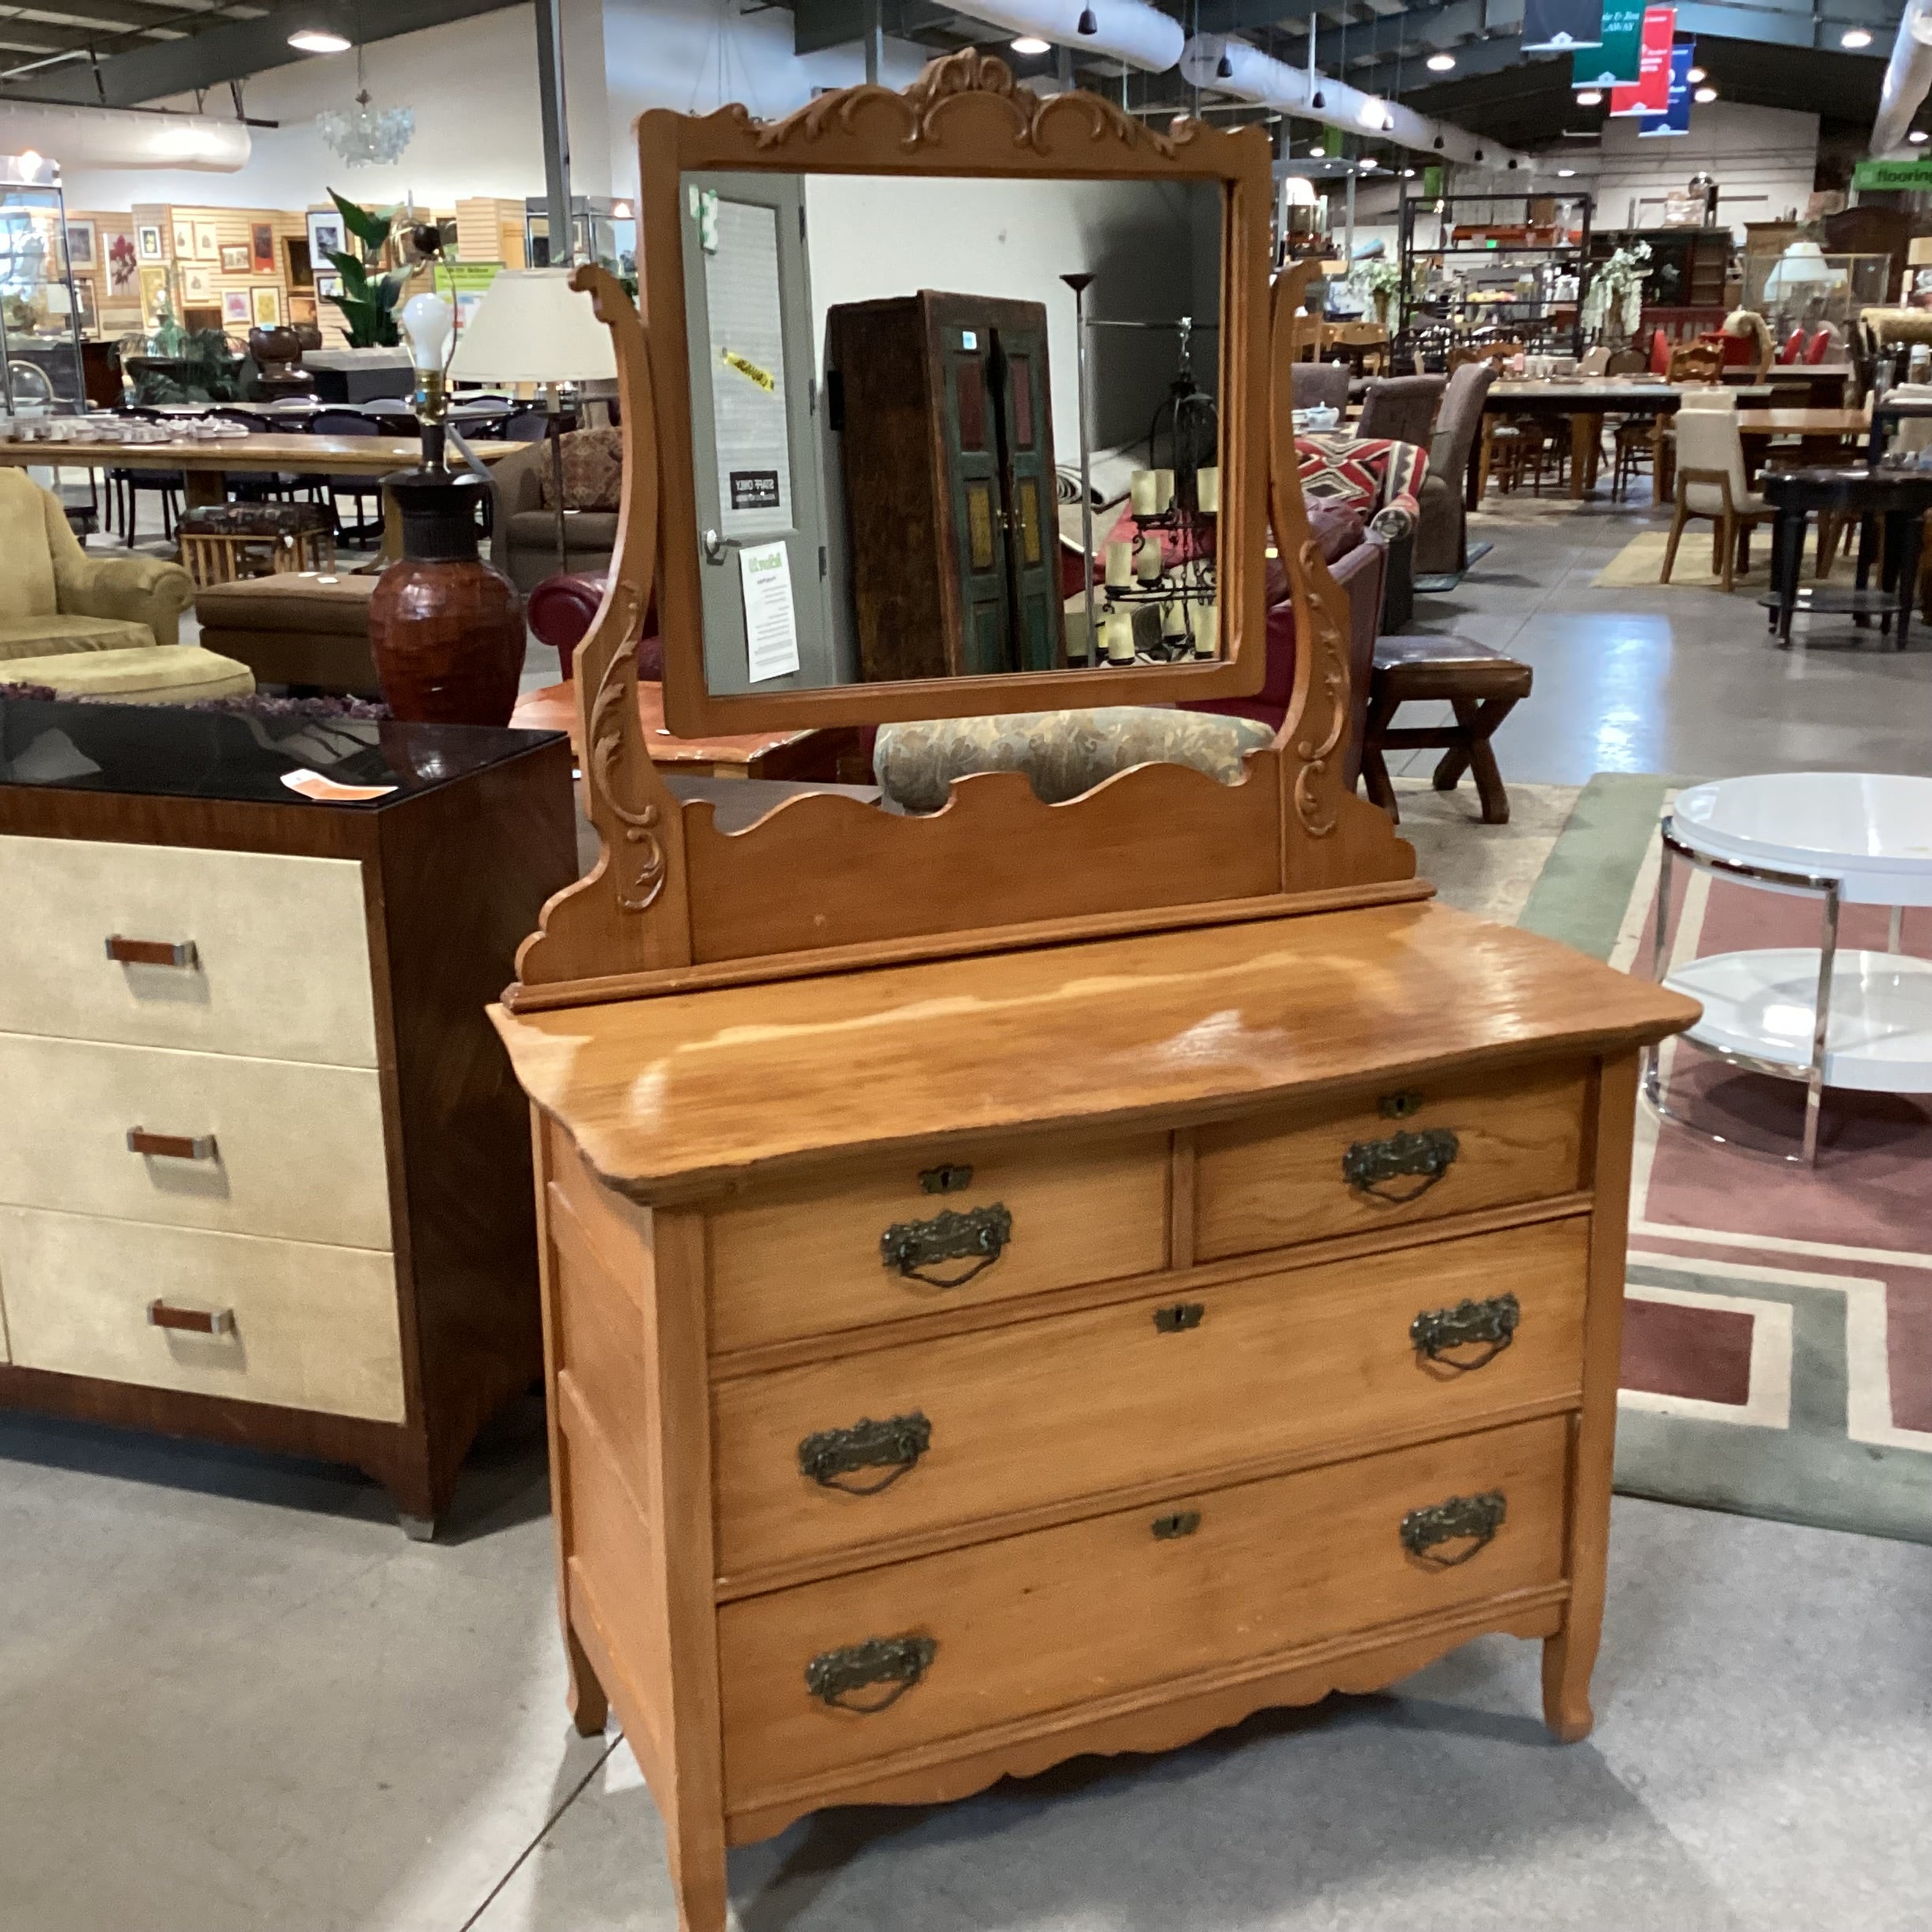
<point x="208" y="371"/>
<point x="368" y="301"/>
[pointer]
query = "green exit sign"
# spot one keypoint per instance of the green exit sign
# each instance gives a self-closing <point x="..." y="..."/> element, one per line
<point x="1913" y="173"/>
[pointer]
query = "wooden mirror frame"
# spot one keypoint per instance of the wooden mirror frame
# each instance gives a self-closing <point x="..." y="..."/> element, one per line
<point x="824" y="883"/>
<point x="966" y="118"/>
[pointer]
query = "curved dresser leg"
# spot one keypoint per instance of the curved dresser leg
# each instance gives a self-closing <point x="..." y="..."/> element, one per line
<point x="1568" y="1658"/>
<point x="698" y="1872"/>
<point x="588" y="1707"/>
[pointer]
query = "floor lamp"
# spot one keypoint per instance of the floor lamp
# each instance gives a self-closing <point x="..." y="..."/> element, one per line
<point x="533" y="327"/>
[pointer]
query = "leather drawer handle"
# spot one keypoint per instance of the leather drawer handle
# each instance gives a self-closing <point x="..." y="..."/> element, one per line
<point x="171" y="1147"/>
<point x="897" y="1663"/>
<point x="191" y="1321"/>
<point x="1369" y="1166"/>
<point x="894" y="1446"/>
<point x="1181" y="1523"/>
<point x="1492" y="1323"/>
<point x="978" y="1237"/>
<point x="1472" y="1520"/>
<point x="152" y="951"/>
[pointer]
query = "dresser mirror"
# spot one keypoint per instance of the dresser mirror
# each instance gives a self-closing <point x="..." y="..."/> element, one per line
<point x="870" y="330"/>
<point x="888" y="397"/>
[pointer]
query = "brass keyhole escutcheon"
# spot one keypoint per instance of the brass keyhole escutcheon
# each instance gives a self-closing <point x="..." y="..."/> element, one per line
<point x="1402" y="1106"/>
<point x="1178" y="1316"/>
<point x="1181" y="1523"/>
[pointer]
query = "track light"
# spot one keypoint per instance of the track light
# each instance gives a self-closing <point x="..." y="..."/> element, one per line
<point x="1087" y="24"/>
<point x="1694" y="75"/>
<point x="1442" y="63"/>
<point x="318" y="40"/>
<point x="1439" y="143"/>
<point x="1566" y="174"/>
<point x="1479" y="154"/>
<point x="1512" y="161"/>
<point x="1855" y="38"/>
<point x="1031" y="43"/>
<point x="1705" y="96"/>
<point x="1918" y="137"/>
<point x="1315" y="100"/>
<point x="1590" y="97"/>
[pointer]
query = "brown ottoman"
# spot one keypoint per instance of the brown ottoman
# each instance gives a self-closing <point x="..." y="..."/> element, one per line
<point x="307" y="628"/>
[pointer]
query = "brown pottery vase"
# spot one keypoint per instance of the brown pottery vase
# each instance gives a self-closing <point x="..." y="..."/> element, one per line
<point x="446" y="628"/>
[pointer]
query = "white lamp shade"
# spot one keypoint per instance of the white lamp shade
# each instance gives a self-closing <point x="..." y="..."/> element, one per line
<point x="533" y="327"/>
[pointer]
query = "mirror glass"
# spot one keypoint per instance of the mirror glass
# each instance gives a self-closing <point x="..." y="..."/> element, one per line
<point x="886" y="380"/>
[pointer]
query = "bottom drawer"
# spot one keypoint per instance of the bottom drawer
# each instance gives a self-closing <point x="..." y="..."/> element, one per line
<point x="299" y="1325"/>
<point x="1032" y="1623"/>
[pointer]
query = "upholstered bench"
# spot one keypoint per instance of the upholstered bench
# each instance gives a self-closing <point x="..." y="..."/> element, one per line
<point x="140" y="674"/>
<point x="306" y="627"/>
<point x="1063" y="753"/>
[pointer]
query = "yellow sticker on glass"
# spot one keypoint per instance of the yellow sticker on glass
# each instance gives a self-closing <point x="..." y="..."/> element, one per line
<point x="745" y="367"/>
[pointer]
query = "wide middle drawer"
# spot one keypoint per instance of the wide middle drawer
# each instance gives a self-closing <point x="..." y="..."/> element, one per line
<point x="948" y="1229"/>
<point x="285" y="1148"/>
<point x="837" y="1457"/>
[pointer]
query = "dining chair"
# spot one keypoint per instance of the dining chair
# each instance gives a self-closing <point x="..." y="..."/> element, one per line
<point x="1711" y="482"/>
<point x="347" y="422"/>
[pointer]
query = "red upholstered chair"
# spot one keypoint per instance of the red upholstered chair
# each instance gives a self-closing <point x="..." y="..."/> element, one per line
<point x="1820" y="347"/>
<point x="1794" y="345"/>
<point x="559" y="611"/>
<point x="1659" y="352"/>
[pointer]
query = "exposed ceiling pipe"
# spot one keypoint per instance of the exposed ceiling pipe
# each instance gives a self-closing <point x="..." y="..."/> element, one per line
<point x="1213" y="62"/>
<point x="1908" y="79"/>
<point x="1123" y="30"/>
<point x="103" y="137"/>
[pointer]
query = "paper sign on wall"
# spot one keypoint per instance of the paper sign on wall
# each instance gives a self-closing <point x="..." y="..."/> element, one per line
<point x="771" y="628"/>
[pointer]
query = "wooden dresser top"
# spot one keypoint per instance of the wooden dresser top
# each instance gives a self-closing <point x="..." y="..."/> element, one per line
<point x="672" y="1095"/>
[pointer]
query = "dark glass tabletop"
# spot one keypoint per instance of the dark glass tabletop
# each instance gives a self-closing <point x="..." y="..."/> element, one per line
<point x="166" y="751"/>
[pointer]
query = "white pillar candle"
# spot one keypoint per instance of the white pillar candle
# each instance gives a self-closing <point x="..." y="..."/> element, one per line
<point x="1148" y="561"/>
<point x="1074" y="628"/>
<point x="1163" y="489"/>
<point x="1144" y="489"/>
<point x="1207" y="491"/>
<point x="1174" y="619"/>
<point x="1120" y="564"/>
<point x="1207" y="630"/>
<point x="1120" y="636"/>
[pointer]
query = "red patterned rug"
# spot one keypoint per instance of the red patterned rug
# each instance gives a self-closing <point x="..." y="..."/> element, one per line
<point x="1778" y="1334"/>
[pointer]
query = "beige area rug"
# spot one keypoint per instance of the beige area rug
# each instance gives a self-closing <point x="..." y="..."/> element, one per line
<point x="1641" y="563"/>
<point x="1486" y="869"/>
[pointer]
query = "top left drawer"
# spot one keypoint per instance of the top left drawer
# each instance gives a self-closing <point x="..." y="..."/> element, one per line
<point x="275" y="949"/>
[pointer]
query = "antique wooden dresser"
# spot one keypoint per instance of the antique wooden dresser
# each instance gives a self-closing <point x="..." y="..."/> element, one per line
<point x="1037" y="1280"/>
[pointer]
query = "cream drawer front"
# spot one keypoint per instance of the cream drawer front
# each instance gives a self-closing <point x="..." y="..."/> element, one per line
<point x="950" y="1229"/>
<point x="303" y="1326"/>
<point x="281" y="964"/>
<point x="298" y="1150"/>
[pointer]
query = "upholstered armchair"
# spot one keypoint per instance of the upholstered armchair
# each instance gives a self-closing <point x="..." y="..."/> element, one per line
<point x="55" y="598"/>
<point x="1440" y="543"/>
<point x="523" y="541"/>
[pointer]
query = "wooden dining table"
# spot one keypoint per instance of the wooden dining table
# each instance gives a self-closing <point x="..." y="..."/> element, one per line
<point x="206" y="464"/>
<point x="1822" y="434"/>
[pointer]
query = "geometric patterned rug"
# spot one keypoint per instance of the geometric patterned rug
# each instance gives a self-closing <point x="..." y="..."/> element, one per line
<point x="1778" y="1329"/>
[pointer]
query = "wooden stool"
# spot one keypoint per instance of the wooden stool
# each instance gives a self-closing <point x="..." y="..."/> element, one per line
<point x="1482" y="685"/>
<point x="227" y="543"/>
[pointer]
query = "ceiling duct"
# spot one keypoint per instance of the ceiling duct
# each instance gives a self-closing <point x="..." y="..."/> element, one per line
<point x="1220" y="66"/>
<point x="1122" y="30"/>
<point x="1908" y="79"/>
<point x="105" y="138"/>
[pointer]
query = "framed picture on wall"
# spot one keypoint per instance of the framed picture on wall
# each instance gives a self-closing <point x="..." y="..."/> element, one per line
<point x="155" y="294"/>
<point x="261" y="243"/>
<point x="325" y="236"/>
<point x="303" y="311"/>
<point x="235" y="313"/>
<point x="300" y="265"/>
<point x="119" y="258"/>
<point x="268" y="306"/>
<point x="148" y="243"/>
<point x="234" y="258"/>
<point x="184" y="241"/>
<point x="197" y="286"/>
<point x="207" y="242"/>
<point x="84" y="311"/>
<point x="79" y="245"/>
<point x="327" y="286"/>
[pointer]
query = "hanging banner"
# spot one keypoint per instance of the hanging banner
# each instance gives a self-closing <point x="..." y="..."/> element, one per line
<point x="1557" y="26"/>
<point x="1616" y="61"/>
<point x="1651" y="94"/>
<point x="1909" y="175"/>
<point x="1675" y="119"/>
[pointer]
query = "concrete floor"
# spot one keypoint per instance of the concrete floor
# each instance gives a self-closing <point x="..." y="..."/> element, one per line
<point x="233" y="1696"/>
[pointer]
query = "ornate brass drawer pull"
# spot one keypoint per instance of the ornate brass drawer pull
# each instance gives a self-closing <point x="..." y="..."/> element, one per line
<point x="1493" y="1322"/>
<point x="899" y="1662"/>
<point x="1178" y="1316"/>
<point x="979" y="1236"/>
<point x="1473" y="1519"/>
<point x="1181" y="1523"/>
<point x="894" y="1446"/>
<point x="1369" y="1164"/>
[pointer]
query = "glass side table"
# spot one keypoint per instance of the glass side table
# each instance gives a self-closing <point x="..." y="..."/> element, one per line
<point x="1856" y="1019"/>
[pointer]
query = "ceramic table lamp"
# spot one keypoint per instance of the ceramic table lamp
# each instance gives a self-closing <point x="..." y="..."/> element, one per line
<point x="446" y="628"/>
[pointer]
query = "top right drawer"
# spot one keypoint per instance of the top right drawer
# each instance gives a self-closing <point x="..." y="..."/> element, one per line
<point x="1412" y="1152"/>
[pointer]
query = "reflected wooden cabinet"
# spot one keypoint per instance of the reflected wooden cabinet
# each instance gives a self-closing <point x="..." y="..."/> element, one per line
<point x="942" y="411"/>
